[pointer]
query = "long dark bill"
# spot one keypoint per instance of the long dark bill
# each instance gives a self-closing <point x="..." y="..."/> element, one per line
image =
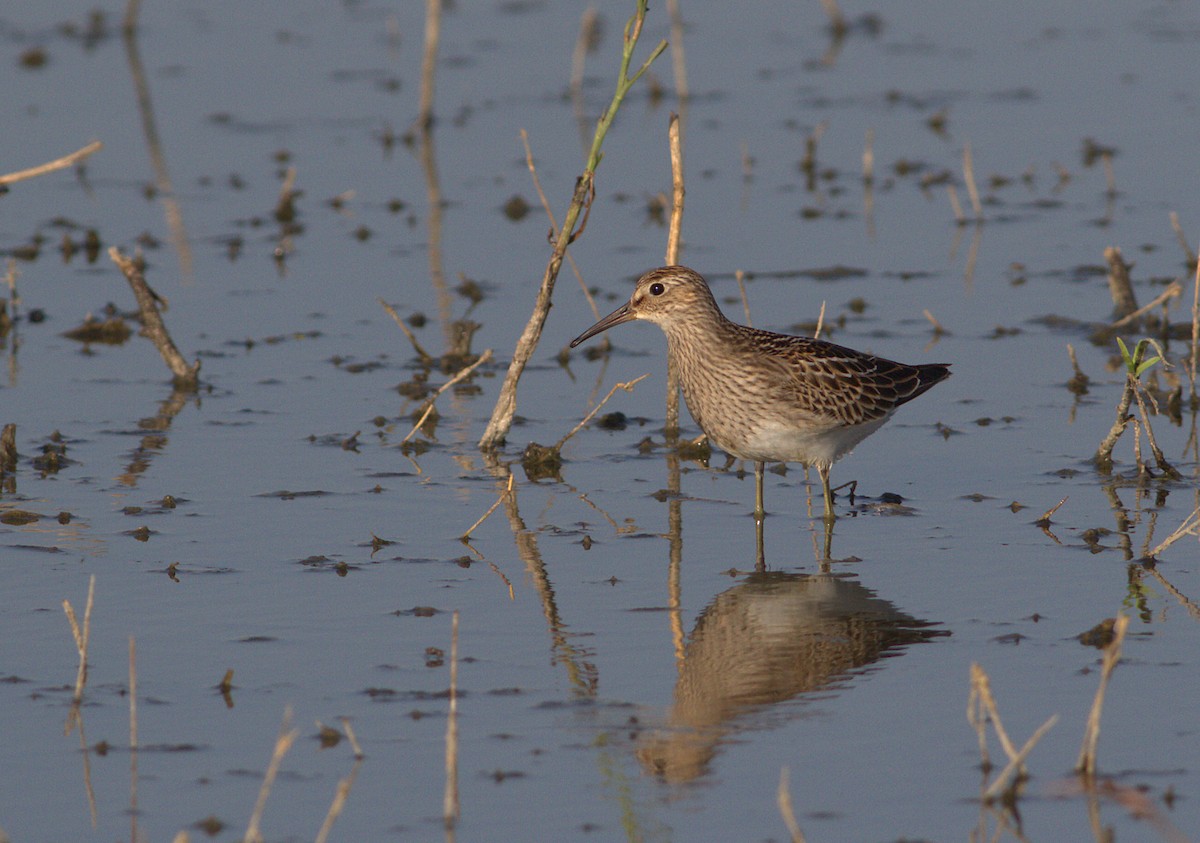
<point x="618" y="316"/>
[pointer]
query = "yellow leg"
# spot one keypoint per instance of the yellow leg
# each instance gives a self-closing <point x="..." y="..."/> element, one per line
<point x="823" y="471"/>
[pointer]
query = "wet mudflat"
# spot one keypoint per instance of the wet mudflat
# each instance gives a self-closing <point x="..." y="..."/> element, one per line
<point x="622" y="671"/>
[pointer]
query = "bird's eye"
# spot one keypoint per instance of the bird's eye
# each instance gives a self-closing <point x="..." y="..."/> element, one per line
<point x="657" y="289"/>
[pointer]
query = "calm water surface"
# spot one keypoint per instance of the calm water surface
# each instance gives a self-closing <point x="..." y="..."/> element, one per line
<point x="623" y="673"/>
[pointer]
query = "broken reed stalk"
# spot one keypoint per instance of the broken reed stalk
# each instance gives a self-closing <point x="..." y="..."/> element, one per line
<point x="1120" y="287"/>
<point x="50" y="166"/>
<point x="433" y="34"/>
<point x="959" y="217"/>
<point x="81" y="637"/>
<point x="450" y="805"/>
<point x="185" y="376"/>
<point x="466" y="537"/>
<point x="1103" y="458"/>
<point x="672" y="258"/>
<point x="820" y="321"/>
<point x="412" y="338"/>
<point x="785" y="807"/>
<point x="627" y="386"/>
<point x="343" y="787"/>
<point x="429" y="402"/>
<point x="581" y="203"/>
<point x="981" y="707"/>
<point x="287" y="736"/>
<point x="537" y="185"/>
<point x="969" y="179"/>
<point x="1086" y="765"/>
<point x="1172" y="290"/>
<point x="1183" y="241"/>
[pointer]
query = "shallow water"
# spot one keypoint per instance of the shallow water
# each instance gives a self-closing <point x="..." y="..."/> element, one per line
<point x="623" y="673"/>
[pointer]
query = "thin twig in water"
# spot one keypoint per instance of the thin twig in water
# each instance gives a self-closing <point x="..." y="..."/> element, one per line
<point x="1172" y="290"/>
<point x="81" y="637"/>
<point x="466" y="537"/>
<point x="938" y="330"/>
<point x="1190" y="525"/>
<point x="820" y="321"/>
<point x="50" y="166"/>
<point x="627" y="386"/>
<point x="462" y="373"/>
<point x="343" y="787"/>
<point x="581" y="203"/>
<point x="1182" y="238"/>
<point x="1086" y="765"/>
<point x="412" y="338"/>
<point x="287" y="736"/>
<point x="1001" y="783"/>
<point x="955" y="205"/>
<point x="1195" y="327"/>
<point x="185" y="375"/>
<point x="433" y="34"/>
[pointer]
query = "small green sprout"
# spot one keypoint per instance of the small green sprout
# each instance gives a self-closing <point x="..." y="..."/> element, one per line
<point x="1134" y="364"/>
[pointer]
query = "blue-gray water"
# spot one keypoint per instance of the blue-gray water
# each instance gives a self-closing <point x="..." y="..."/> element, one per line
<point x="616" y="682"/>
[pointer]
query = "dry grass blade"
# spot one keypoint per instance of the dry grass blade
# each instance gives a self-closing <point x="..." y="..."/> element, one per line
<point x="462" y="373"/>
<point x="981" y="707"/>
<point x="672" y="258"/>
<point x="450" y="805"/>
<point x="50" y="166"/>
<point x="627" y="386"/>
<point x="785" y="808"/>
<point x="287" y="736"/>
<point x="969" y="179"/>
<point x="433" y="34"/>
<point x="1045" y="519"/>
<point x="343" y="787"/>
<point x="1086" y="765"/>
<point x="820" y="321"/>
<point x="1173" y="289"/>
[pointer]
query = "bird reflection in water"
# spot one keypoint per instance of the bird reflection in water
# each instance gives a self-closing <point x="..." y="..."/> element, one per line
<point x="771" y="638"/>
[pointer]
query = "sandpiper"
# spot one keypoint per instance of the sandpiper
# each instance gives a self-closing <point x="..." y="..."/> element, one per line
<point x="763" y="396"/>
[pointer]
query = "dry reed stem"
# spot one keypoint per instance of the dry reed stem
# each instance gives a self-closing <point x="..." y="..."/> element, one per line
<point x="81" y="637"/>
<point x="343" y="787"/>
<point x="1110" y="176"/>
<point x="1172" y="290"/>
<point x="450" y="805"/>
<point x="581" y="202"/>
<point x="969" y="179"/>
<point x="627" y="386"/>
<point x="412" y="338"/>
<point x="129" y="22"/>
<point x="466" y="537"/>
<point x="429" y="402"/>
<point x="50" y="166"/>
<point x="981" y="707"/>
<point x="1159" y="458"/>
<point x="537" y="185"/>
<point x="741" y="282"/>
<point x="1190" y="526"/>
<point x="1017" y="762"/>
<point x="1120" y="287"/>
<point x="785" y="808"/>
<point x="672" y="258"/>
<point x="587" y="27"/>
<point x="1103" y="458"/>
<point x="184" y="375"/>
<point x="1086" y="765"/>
<point x="938" y="329"/>
<point x="433" y="34"/>
<point x="820" y="321"/>
<point x="287" y="736"/>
